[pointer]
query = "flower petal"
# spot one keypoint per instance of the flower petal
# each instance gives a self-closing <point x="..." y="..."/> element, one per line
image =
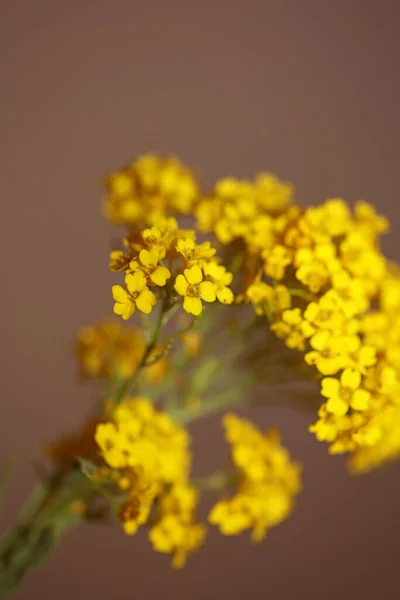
<point x="181" y="285"/>
<point x="330" y="387"/>
<point x="136" y="282"/>
<point x="160" y="275"/>
<point x="145" y="301"/>
<point x="145" y="257"/>
<point x="350" y="379"/>
<point x="194" y="275"/>
<point x="193" y="305"/>
<point x="128" y="310"/>
<point x="207" y="291"/>
<point x="360" y="400"/>
<point x="337" y="406"/>
<point x="225" y="295"/>
<point x="119" y="294"/>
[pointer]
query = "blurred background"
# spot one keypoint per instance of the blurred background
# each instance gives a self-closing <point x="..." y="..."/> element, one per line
<point x="309" y="90"/>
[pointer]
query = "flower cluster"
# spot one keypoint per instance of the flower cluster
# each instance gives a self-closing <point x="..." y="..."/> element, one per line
<point x="327" y="260"/>
<point x="316" y="274"/>
<point x="112" y="351"/>
<point x="193" y="268"/>
<point x="148" y="188"/>
<point x="267" y="484"/>
<point x="149" y="456"/>
<point x="236" y="288"/>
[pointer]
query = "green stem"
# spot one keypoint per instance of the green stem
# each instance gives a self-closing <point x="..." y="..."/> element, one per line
<point x="217" y="404"/>
<point x="128" y="384"/>
<point x="217" y="481"/>
<point x="44" y="518"/>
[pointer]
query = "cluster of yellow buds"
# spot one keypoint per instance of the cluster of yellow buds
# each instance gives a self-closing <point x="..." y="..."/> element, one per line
<point x="267" y="485"/>
<point x="149" y="459"/>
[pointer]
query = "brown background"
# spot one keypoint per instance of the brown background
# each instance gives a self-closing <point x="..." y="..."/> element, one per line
<point x="309" y="90"/>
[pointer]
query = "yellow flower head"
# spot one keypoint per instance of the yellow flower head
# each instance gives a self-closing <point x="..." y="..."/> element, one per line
<point x="345" y="393"/>
<point x="135" y="295"/>
<point x="194" y="289"/>
<point x="276" y="260"/>
<point x="221" y="278"/>
<point x="194" y="254"/>
<point x="148" y="264"/>
<point x="292" y="328"/>
<point x="177" y="532"/>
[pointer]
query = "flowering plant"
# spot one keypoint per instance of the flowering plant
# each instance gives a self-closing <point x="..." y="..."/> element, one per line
<point x="236" y="290"/>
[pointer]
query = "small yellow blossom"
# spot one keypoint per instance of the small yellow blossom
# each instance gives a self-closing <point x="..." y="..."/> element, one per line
<point x="268" y="300"/>
<point x="148" y="264"/>
<point x="135" y="295"/>
<point x="221" y="278"/>
<point x="325" y="314"/>
<point x="194" y="289"/>
<point x="276" y="260"/>
<point x="315" y="267"/>
<point x="328" y="353"/>
<point x="161" y="236"/>
<point x="292" y="328"/>
<point x="344" y="393"/>
<point x="194" y="254"/>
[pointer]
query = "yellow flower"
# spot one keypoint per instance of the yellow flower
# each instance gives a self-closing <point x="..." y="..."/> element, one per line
<point x="268" y="300"/>
<point x="118" y="260"/>
<point x="141" y="495"/>
<point x="367" y="216"/>
<point x="135" y="295"/>
<point x="161" y="235"/>
<point x="329" y="220"/>
<point x="150" y="453"/>
<point x="150" y="187"/>
<point x="325" y="314"/>
<point x="345" y="393"/>
<point x="148" y="264"/>
<point x="386" y="446"/>
<point x="221" y="278"/>
<point x="173" y="535"/>
<point x="124" y="303"/>
<point x="110" y="442"/>
<point x="363" y="260"/>
<point x="194" y="254"/>
<point x="260" y="295"/>
<point x="276" y="260"/>
<point x="176" y="532"/>
<point x="349" y="292"/>
<point x="328" y="353"/>
<point x="292" y="328"/>
<point x="273" y="195"/>
<point x="194" y="289"/>
<point x="360" y="356"/>
<point x="316" y="266"/>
